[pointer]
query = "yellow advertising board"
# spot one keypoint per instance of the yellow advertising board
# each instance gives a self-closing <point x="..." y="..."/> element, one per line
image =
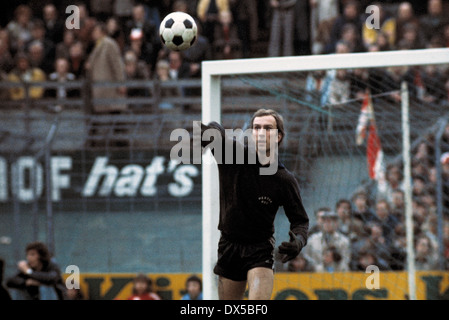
<point x="430" y="285"/>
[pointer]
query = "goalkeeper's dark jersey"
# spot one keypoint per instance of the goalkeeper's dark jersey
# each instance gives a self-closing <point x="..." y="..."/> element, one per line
<point x="249" y="201"/>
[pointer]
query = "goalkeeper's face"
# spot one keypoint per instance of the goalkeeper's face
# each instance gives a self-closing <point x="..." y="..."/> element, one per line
<point x="265" y="133"/>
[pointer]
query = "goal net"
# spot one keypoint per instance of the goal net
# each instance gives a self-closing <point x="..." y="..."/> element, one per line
<point x="364" y="138"/>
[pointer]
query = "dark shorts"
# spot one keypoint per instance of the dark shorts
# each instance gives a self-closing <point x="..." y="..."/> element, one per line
<point x="236" y="259"/>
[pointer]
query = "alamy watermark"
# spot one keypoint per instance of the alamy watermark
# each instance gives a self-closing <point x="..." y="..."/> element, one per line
<point x="373" y="20"/>
<point x="73" y="279"/>
<point x="72" y="21"/>
<point x="373" y="280"/>
<point x="235" y="146"/>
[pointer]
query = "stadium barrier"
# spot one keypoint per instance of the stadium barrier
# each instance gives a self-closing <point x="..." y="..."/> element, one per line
<point x="431" y="285"/>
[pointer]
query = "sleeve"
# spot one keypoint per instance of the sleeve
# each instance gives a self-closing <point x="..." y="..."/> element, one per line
<point x="16" y="282"/>
<point x="295" y="211"/>
<point x="224" y="144"/>
<point x="47" y="277"/>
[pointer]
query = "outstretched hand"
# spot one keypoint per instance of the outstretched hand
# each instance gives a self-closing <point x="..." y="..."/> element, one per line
<point x="292" y="248"/>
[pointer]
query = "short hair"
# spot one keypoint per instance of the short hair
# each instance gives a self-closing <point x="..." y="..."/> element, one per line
<point x="102" y="26"/>
<point x="270" y="112"/>
<point x="42" y="251"/>
<point x="341" y="201"/>
<point x="195" y="278"/>
<point x="142" y="278"/>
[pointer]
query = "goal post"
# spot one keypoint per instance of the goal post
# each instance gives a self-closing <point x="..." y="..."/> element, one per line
<point x="213" y="95"/>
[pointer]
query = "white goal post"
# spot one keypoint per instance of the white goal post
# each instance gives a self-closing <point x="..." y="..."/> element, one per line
<point x="212" y="71"/>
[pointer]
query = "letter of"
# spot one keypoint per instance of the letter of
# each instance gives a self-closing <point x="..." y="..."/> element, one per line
<point x="58" y="180"/>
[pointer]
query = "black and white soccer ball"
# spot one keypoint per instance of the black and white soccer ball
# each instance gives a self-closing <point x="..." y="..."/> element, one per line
<point x="178" y="31"/>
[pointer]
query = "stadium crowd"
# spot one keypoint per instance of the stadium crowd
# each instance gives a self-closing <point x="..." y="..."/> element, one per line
<point x="369" y="228"/>
<point x="36" y="45"/>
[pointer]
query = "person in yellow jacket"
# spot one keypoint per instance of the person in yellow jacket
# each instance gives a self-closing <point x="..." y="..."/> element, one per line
<point x="25" y="73"/>
<point x="208" y="12"/>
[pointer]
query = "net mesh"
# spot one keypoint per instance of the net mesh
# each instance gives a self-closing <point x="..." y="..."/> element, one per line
<point x="330" y="147"/>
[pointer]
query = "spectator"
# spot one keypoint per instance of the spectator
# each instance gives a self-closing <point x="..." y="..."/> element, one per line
<point x="361" y="206"/>
<point x="245" y="17"/>
<point x="101" y="9"/>
<point x="445" y="40"/>
<point x="432" y="23"/>
<point x="20" y="28"/>
<point x="382" y="42"/>
<point x="399" y="248"/>
<point x="347" y="225"/>
<point x="327" y="237"/>
<point x="38" y="59"/>
<point x="149" y="33"/>
<point x="430" y="229"/>
<point x="424" y="257"/>
<point x="331" y="261"/>
<point x="350" y="15"/>
<point x="227" y="44"/>
<point x="406" y="16"/>
<point x="61" y="75"/>
<point x="62" y="48"/>
<point x="25" y="73"/>
<point x="138" y="21"/>
<point x="300" y="264"/>
<point x="123" y="10"/>
<point x="424" y="153"/>
<point x="6" y="59"/>
<point x="143" y="49"/>
<point x="301" y="35"/>
<point x="75" y="294"/>
<point x="359" y="83"/>
<point x="393" y="180"/>
<point x="339" y="88"/>
<point x="428" y="198"/>
<point x="162" y="74"/>
<point x="87" y="25"/>
<point x="115" y="31"/>
<point x="38" y="277"/>
<point x="77" y="59"/>
<point x="54" y="26"/>
<point x="409" y="39"/>
<point x="398" y="204"/>
<point x="385" y="219"/>
<point x="323" y="14"/>
<point x="105" y="64"/>
<point x="178" y="68"/>
<point x="317" y="87"/>
<point x="446" y="243"/>
<point x="4" y="294"/>
<point x="198" y="53"/>
<point x="282" y="28"/>
<point x="376" y="243"/>
<point x="208" y="12"/>
<point x="418" y="186"/>
<point x="445" y="175"/>
<point x="136" y="70"/>
<point x="367" y="258"/>
<point x="194" y="289"/>
<point x="318" y="226"/>
<point x="142" y="289"/>
<point x="433" y="82"/>
<point x="387" y="25"/>
<point x="351" y="36"/>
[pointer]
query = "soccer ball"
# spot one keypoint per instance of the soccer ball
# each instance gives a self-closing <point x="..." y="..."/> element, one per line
<point x="178" y="31"/>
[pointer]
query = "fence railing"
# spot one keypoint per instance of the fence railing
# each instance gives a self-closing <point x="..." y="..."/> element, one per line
<point x="143" y="96"/>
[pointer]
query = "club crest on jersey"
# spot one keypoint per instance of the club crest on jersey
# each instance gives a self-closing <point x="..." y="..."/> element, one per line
<point x="265" y="200"/>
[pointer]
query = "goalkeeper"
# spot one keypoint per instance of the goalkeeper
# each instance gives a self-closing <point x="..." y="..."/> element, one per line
<point x="249" y="202"/>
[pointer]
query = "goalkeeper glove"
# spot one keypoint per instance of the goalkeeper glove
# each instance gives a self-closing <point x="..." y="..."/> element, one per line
<point x="292" y="248"/>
